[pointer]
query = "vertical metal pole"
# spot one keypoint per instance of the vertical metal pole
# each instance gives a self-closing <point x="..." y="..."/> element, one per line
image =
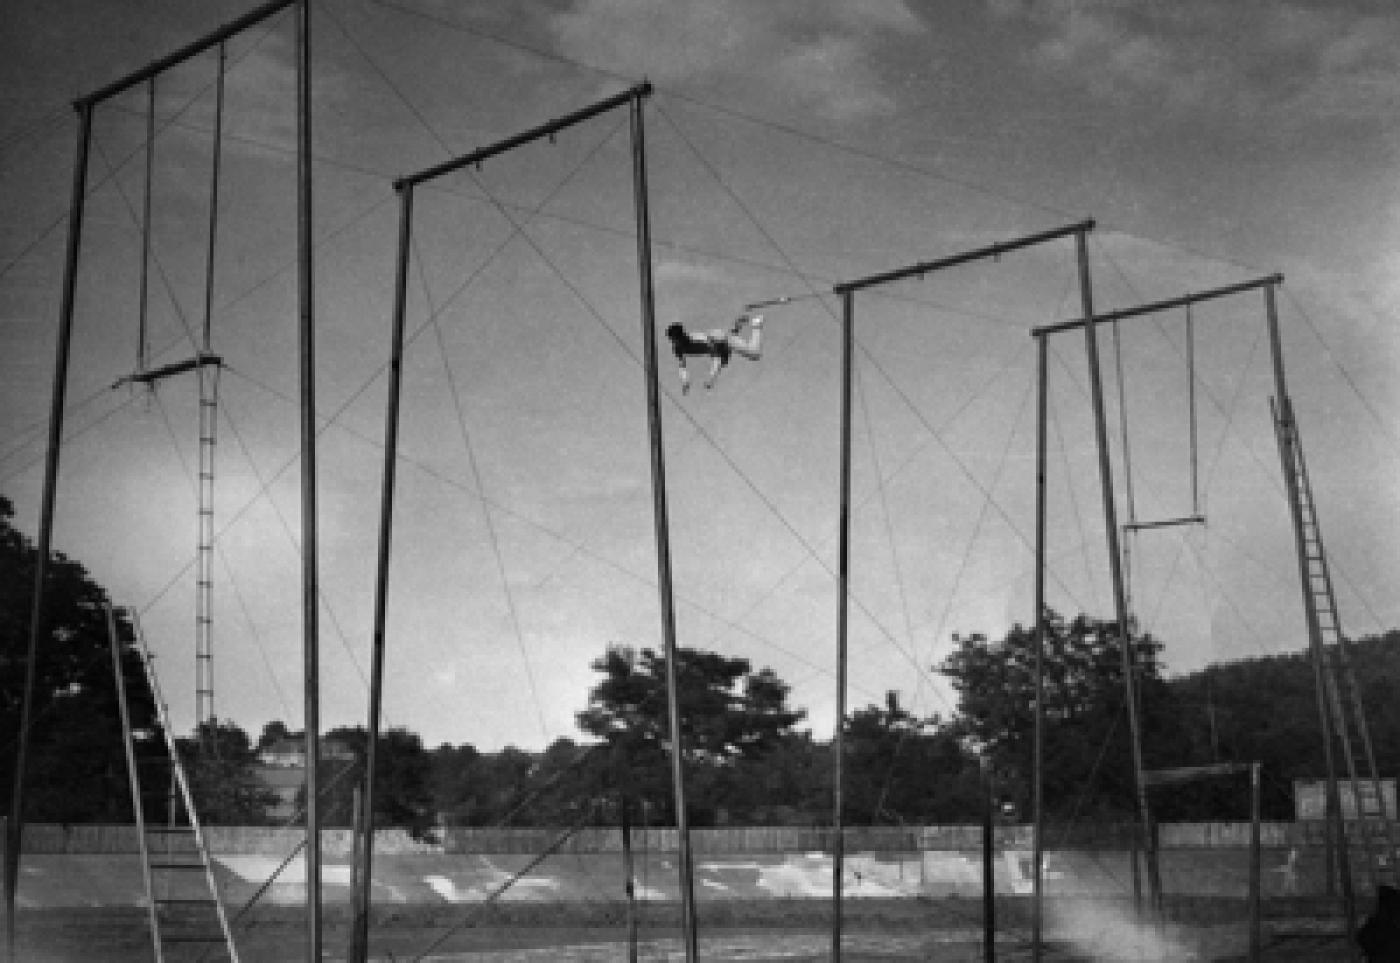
<point x="989" y="879"/>
<point x="1038" y="751"/>
<point x="15" y="826"/>
<point x="1283" y="415"/>
<point x="1191" y="404"/>
<point x="309" y="589"/>
<point x="1091" y="345"/>
<point x="359" y="946"/>
<point x="661" y="522"/>
<point x="1254" y="864"/>
<point x="146" y="224"/>
<point x="214" y="198"/>
<point x="838" y="741"/>
<point x="629" y="871"/>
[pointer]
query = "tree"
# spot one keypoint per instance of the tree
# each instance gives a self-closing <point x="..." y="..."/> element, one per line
<point x="402" y="793"/>
<point x="1087" y="765"/>
<point x="728" y="714"/>
<point x="905" y="770"/>
<point x="220" y="761"/>
<point x="1265" y="709"/>
<point x="76" y="768"/>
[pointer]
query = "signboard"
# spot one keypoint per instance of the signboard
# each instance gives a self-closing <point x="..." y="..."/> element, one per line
<point x="1310" y="798"/>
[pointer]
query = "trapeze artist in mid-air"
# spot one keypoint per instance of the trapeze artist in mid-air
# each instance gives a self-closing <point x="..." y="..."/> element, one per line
<point x="718" y="344"/>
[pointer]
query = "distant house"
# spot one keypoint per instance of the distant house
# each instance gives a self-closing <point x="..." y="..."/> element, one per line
<point x="281" y="767"/>
<point x="291" y="752"/>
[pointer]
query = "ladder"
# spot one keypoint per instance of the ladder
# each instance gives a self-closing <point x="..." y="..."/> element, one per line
<point x="208" y="372"/>
<point x="186" y="917"/>
<point x="1341" y="693"/>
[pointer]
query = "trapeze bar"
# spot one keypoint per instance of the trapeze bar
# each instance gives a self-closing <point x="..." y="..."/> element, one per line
<point x="1166" y="523"/>
<point x="545" y="130"/>
<point x="995" y="250"/>
<point x="1156" y="306"/>
<point x="185" y="53"/>
<point x="152" y="375"/>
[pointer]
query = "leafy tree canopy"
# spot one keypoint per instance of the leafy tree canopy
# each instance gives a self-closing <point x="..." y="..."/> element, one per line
<point x="76" y="767"/>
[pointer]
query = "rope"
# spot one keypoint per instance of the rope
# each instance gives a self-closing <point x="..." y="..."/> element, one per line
<point x="460" y="411"/>
<point x="96" y="185"/>
<point x="577" y="546"/>
<point x="788" y="129"/>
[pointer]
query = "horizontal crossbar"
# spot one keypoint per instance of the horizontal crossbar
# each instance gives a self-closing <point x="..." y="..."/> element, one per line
<point x="1165" y="523"/>
<point x="993" y="250"/>
<point x="1156" y="306"/>
<point x="184" y="53"/>
<point x="544" y="130"/>
<point x="152" y="375"/>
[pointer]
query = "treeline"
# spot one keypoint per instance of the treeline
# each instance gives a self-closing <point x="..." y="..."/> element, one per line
<point x="747" y="757"/>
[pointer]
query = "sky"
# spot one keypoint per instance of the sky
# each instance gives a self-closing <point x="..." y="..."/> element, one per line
<point x="790" y="146"/>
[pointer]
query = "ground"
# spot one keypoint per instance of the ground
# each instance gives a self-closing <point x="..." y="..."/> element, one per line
<point x="790" y="931"/>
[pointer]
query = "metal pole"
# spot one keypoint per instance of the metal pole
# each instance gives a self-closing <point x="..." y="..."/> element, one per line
<point x="1191" y="404"/>
<point x="15" y="826"/>
<point x="309" y="588"/>
<point x="535" y="133"/>
<point x="1038" y="750"/>
<point x="144" y="308"/>
<point x="629" y="870"/>
<point x="357" y="872"/>
<point x="365" y="828"/>
<point x="186" y="52"/>
<point x="214" y="197"/>
<point x="1283" y="415"/>
<point x="989" y="880"/>
<point x="981" y="253"/>
<point x="1091" y="346"/>
<point x="1158" y="306"/>
<point x="838" y="742"/>
<point x="1254" y="867"/>
<point x="660" y="520"/>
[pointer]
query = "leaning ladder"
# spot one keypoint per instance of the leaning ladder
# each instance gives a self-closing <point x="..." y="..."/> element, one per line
<point x="187" y="918"/>
<point x="1342" y="693"/>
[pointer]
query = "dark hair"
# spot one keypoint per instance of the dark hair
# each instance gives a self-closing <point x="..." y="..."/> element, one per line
<point x="675" y="330"/>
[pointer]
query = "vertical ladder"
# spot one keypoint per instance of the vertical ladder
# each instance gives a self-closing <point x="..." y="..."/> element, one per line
<point x="204" y="555"/>
<point x="1342" y="692"/>
<point x="186" y="916"/>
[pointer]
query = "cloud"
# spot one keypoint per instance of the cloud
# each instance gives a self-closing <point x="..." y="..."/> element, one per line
<point x="1292" y="62"/>
<point x="819" y="55"/>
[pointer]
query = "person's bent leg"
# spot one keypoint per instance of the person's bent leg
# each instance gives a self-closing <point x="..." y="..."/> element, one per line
<point x="752" y="346"/>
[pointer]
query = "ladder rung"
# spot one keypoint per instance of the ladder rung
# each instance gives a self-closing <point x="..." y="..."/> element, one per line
<point x="202" y="901"/>
<point x="177" y="865"/>
<point x="170" y="829"/>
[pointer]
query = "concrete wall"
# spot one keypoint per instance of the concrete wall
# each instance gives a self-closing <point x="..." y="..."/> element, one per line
<point x="279" y="841"/>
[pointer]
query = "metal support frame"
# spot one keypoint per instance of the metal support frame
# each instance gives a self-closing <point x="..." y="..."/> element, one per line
<point x="1088" y="323"/>
<point x="1326" y="703"/>
<point x="310" y="590"/>
<point x="1038" y="743"/>
<point x="846" y="291"/>
<point x="405" y="186"/>
<point x="1115" y="562"/>
<point x="37" y="627"/>
<point x="85" y="107"/>
<point x="838" y="742"/>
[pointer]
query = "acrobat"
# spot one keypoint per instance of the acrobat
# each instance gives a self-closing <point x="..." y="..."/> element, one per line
<point x="717" y="344"/>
